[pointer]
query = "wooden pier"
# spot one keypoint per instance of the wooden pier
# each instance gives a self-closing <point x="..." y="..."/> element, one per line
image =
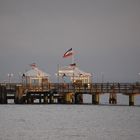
<point x="62" y="93"/>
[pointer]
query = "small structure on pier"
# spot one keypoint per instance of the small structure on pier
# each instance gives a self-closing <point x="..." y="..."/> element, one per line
<point x="35" y="77"/>
<point x="74" y="74"/>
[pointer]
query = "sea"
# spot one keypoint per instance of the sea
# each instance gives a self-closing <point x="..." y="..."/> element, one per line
<point x="71" y="122"/>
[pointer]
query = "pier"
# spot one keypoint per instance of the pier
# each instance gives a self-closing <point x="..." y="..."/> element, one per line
<point x="67" y="93"/>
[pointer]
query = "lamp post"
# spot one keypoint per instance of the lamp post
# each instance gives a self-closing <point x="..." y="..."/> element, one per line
<point x="139" y="73"/>
<point x="10" y="75"/>
<point x="91" y="78"/>
<point x="102" y="76"/>
<point x="20" y="77"/>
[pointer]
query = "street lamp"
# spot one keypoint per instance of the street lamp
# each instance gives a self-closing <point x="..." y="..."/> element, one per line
<point x="19" y="77"/>
<point x="10" y="75"/>
<point x="102" y="76"/>
<point x="139" y="73"/>
<point x="91" y="79"/>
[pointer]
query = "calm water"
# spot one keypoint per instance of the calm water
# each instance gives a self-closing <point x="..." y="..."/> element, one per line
<point x="69" y="122"/>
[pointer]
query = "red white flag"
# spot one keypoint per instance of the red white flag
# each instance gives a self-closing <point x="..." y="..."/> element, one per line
<point x="68" y="53"/>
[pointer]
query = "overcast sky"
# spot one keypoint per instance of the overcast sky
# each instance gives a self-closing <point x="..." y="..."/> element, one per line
<point x="105" y="35"/>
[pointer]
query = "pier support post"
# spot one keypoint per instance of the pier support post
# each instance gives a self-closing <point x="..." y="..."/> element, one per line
<point x="112" y="98"/>
<point x="76" y="101"/>
<point x="95" y="99"/>
<point x="19" y="95"/>
<point x="131" y="99"/>
<point x="51" y="99"/>
<point x="0" y="95"/>
<point x="69" y="98"/>
<point x="3" y="95"/>
<point x="78" y="98"/>
<point x="40" y="98"/>
<point x="28" y="96"/>
<point x="113" y="95"/>
<point x="45" y="99"/>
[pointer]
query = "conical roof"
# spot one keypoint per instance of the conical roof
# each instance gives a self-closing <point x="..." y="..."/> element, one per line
<point x="70" y="70"/>
<point x="36" y="72"/>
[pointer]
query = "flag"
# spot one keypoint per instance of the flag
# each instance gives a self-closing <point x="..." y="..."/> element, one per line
<point x="68" y="53"/>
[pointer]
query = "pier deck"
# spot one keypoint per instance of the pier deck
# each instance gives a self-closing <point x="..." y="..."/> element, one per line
<point x="67" y="93"/>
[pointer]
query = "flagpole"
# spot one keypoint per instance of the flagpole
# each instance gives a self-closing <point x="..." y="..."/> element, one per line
<point x="72" y="57"/>
<point x="58" y="73"/>
<point x="70" y="53"/>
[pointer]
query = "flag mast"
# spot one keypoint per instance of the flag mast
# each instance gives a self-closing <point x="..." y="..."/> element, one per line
<point x="67" y="54"/>
<point x="72" y="58"/>
<point x="73" y="64"/>
<point x="58" y="73"/>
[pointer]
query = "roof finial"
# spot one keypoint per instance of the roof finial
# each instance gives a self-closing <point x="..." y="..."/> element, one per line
<point x="33" y="65"/>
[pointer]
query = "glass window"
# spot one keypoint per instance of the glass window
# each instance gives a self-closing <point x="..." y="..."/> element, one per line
<point x="35" y="82"/>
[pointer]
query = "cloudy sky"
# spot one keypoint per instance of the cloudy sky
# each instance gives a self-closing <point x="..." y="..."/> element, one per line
<point x="104" y="34"/>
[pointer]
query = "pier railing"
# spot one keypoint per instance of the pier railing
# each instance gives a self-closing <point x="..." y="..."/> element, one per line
<point x="123" y="88"/>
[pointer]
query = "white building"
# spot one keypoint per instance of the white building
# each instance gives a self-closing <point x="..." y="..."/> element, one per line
<point x="35" y="77"/>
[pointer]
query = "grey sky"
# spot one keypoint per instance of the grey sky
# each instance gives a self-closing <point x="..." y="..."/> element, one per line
<point x="105" y="35"/>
